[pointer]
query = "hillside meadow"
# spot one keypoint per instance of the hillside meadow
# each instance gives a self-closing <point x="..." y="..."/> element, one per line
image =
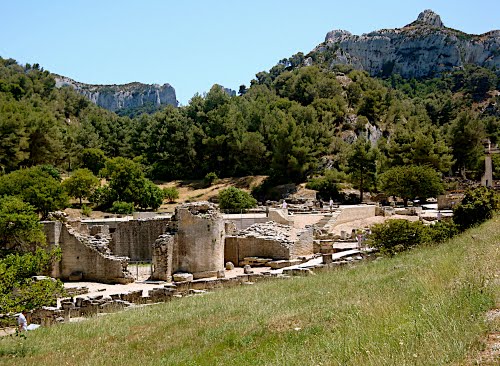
<point x="424" y="307"/>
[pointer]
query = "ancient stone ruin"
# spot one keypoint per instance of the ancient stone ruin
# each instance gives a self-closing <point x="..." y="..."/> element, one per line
<point x="84" y="256"/>
<point x="194" y="243"/>
<point x="269" y="240"/>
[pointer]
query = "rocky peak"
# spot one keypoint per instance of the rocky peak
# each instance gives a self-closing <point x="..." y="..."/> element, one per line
<point x="428" y="17"/>
<point x="424" y="48"/>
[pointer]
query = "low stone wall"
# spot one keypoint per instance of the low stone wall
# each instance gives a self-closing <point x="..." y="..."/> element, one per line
<point x="352" y="213"/>
<point x="269" y="240"/>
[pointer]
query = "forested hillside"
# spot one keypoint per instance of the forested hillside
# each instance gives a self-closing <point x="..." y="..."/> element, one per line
<point x="291" y="123"/>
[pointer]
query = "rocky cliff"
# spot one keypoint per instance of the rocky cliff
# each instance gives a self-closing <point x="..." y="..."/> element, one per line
<point x="116" y="97"/>
<point x="420" y="49"/>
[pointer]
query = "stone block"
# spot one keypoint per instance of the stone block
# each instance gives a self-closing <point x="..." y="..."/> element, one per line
<point x="229" y="266"/>
<point x="182" y="277"/>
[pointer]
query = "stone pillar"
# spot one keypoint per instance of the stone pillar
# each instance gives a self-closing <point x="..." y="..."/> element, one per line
<point x="162" y="258"/>
<point x="487" y="179"/>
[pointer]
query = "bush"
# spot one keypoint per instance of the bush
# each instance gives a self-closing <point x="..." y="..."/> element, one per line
<point x="441" y="231"/>
<point x="18" y="291"/>
<point x="210" y="179"/>
<point x="234" y="198"/>
<point x="477" y="206"/>
<point x="86" y="211"/>
<point x="170" y="193"/>
<point x="395" y="236"/>
<point x="119" y="207"/>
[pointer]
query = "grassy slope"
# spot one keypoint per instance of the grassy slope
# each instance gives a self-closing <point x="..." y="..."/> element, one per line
<point x="425" y="307"/>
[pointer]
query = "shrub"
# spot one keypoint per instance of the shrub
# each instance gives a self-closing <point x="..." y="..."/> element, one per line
<point x="234" y="198"/>
<point x="86" y="211"/>
<point x="210" y="179"/>
<point x="18" y="291"/>
<point x="170" y="193"/>
<point x="476" y="207"/>
<point x="119" y="207"/>
<point x="441" y="231"/>
<point x="151" y="196"/>
<point x="395" y="236"/>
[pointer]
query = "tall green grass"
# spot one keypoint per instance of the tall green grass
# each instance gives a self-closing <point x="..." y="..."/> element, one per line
<point x="424" y="307"/>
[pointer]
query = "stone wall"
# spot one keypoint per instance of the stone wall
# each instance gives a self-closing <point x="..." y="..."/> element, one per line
<point x="86" y="257"/>
<point x="269" y="240"/>
<point x="135" y="238"/>
<point x="352" y="213"/>
<point x="197" y="243"/>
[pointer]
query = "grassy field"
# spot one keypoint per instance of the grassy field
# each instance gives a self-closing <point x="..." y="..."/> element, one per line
<point x="425" y="307"/>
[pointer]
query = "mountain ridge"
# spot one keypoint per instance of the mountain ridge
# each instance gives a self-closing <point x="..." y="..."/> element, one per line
<point x="121" y="96"/>
<point x="423" y="48"/>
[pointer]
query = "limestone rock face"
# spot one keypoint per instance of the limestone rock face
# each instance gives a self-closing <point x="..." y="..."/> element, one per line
<point x="420" y="49"/>
<point x="430" y="18"/>
<point x="115" y="97"/>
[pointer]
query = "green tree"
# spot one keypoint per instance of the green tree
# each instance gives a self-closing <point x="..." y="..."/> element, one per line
<point x="234" y="198"/>
<point x="362" y="165"/>
<point x="36" y="187"/>
<point x="466" y="134"/>
<point x="151" y="196"/>
<point x="20" y="229"/>
<point x="92" y="159"/>
<point x="18" y="291"/>
<point x="170" y="193"/>
<point x="411" y="181"/>
<point x="81" y="184"/>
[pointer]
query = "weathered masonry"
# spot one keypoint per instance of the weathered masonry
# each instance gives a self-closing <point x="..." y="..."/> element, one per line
<point x="194" y="243"/>
<point x="85" y="257"/>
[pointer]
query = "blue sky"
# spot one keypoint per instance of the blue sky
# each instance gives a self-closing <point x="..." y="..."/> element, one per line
<point x="193" y="44"/>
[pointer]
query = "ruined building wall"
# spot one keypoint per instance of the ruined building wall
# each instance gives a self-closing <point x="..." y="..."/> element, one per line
<point x="135" y="238"/>
<point x="237" y="248"/>
<point x="193" y="243"/>
<point x="269" y="240"/>
<point x="85" y="254"/>
<point x="199" y="240"/>
<point x="303" y="244"/>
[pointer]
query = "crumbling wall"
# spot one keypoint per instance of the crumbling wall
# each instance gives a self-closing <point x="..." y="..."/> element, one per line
<point x="193" y="243"/>
<point x="199" y="231"/>
<point x="135" y="238"/>
<point x="85" y="256"/>
<point x="269" y="240"/>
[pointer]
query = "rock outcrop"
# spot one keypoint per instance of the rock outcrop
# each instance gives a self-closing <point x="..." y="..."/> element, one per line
<point x="116" y="97"/>
<point x="422" y="48"/>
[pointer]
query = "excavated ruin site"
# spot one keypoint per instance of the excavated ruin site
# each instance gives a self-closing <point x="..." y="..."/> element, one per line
<point x="110" y="264"/>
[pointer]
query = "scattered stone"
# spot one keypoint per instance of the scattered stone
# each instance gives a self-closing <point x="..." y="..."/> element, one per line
<point x="247" y="269"/>
<point x="229" y="266"/>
